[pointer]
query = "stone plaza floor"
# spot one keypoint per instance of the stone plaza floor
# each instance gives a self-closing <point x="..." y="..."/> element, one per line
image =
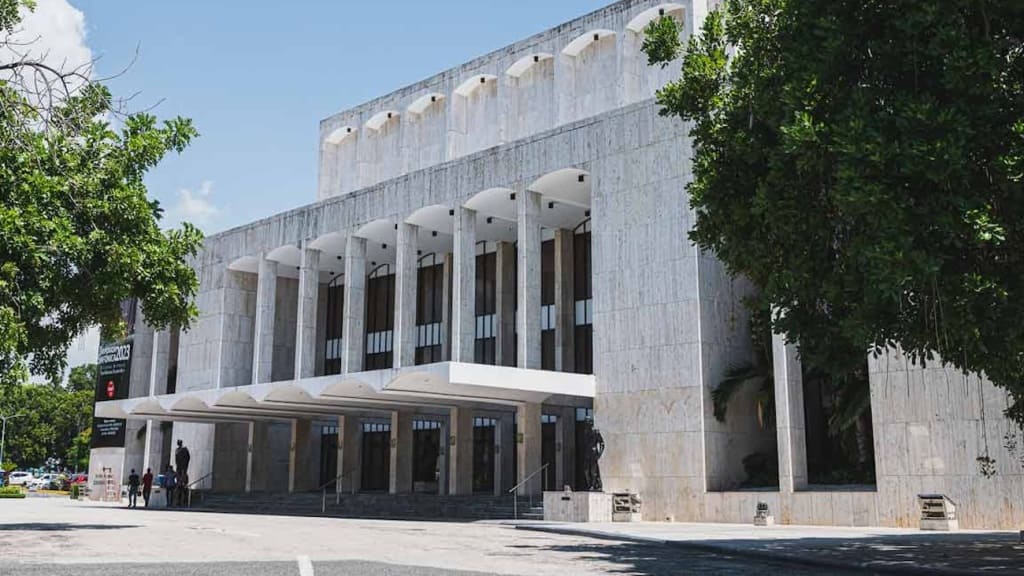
<point x="47" y="536"/>
<point x="881" y="550"/>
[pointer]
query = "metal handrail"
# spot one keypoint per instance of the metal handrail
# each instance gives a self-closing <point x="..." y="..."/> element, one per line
<point x="189" y="486"/>
<point x="337" y="490"/>
<point x="515" y="490"/>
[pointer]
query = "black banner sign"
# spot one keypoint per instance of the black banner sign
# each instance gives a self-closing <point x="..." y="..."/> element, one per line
<point x="113" y="378"/>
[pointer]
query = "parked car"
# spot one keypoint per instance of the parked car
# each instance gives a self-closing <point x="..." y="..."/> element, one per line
<point x="19" y="478"/>
<point x="45" y="482"/>
<point x="80" y="478"/>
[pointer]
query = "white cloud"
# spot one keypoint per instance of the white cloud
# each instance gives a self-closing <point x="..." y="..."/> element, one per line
<point x="194" y="207"/>
<point x="53" y="33"/>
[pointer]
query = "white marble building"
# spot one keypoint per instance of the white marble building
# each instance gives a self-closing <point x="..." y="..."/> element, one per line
<point x="497" y="255"/>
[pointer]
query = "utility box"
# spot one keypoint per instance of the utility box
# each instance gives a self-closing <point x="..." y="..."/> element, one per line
<point x="937" y="512"/>
<point x="626" y="507"/>
<point x="762" y="516"/>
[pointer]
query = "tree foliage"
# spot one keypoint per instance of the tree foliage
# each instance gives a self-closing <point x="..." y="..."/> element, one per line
<point x="78" y="234"/>
<point x="52" y="422"/>
<point x="862" y="162"/>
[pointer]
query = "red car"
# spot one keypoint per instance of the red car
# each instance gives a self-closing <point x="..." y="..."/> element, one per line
<point x="81" y="479"/>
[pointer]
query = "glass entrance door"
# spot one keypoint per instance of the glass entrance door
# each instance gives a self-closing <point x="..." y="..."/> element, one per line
<point x="426" y="449"/>
<point x="376" y="461"/>
<point x="484" y="430"/>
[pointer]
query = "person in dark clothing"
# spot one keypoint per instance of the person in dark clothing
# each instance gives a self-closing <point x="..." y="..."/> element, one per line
<point x="170" y="485"/>
<point x="133" y="489"/>
<point x="182" y="488"/>
<point x="147" y="485"/>
<point x="182" y="458"/>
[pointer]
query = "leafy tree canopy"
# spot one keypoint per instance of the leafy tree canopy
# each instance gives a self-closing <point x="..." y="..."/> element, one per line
<point x="77" y="233"/>
<point x="862" y="162"/>
<point x="52" y="422"/>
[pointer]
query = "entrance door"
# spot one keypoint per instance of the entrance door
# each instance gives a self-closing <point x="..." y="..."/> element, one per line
<point x="376" y="464"/>
<point x="426" y="449"/>
<point x="483" y="454"/>
<point x="548" y="452"/>
<point x="584" y="423"/>
<point x="328" y="456"/>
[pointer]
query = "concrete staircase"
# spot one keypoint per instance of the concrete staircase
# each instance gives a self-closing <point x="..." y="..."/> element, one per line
<point x="371" y="505"/>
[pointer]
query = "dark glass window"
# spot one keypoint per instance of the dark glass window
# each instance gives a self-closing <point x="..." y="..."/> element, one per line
<point x="547" y="303"/>
<point x="486" y="304"/>
<point x="335" y="314"/>
<point x="380" y="318"/>
<point x="583" y="297"/>
<point x="429" y="309"/>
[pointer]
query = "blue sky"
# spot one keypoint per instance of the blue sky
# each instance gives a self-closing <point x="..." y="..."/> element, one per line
<point x="257" y="77"/>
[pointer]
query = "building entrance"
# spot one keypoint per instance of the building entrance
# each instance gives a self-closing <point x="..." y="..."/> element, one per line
<point x="426" y="450"/>
<point x="549" y="450"/>
<point x="376" y="461"/>
<point x="484" y="434"/>
<point x="328" y="456"/>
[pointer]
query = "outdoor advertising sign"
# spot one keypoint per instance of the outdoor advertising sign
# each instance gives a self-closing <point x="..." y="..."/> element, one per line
<point x="113" y="377"/>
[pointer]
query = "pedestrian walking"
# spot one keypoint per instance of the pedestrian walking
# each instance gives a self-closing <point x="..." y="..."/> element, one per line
<point x="147" y="485"/>
<point x="133" y="489"/>
<point x="170" y="485"/>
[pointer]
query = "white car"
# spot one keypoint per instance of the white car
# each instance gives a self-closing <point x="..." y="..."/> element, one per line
<point x="44" y="482"/>
<point x="20" y="478"/>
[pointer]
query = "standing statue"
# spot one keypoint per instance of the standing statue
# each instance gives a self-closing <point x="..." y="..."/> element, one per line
<point x="181" y="459"/>
<point x="593" y="449"/>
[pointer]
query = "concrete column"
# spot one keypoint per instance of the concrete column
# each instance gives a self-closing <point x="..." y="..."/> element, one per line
<point x="446" y="308"/>
<point x="309" y="295"/>
<point x="528" y="447"/>
<point x="460" y="451"/>
<point x="263" y="341"/>
<point x="789" y="415"/>
<point x="350" y="429"/>
<point x="528" y="279"/>
<point x="464" y="285"/>
<point x="565" y="304"/>
<point x="400" y="481"/>
<point x="299" y="434"/>
<point x="505" y="289"/>
<point x="248" y="456"/>
<point x="499" y="468"/>
<point x="353" y="330"/>
<point x="405" y="295"/>
<point x="507" y="455"/>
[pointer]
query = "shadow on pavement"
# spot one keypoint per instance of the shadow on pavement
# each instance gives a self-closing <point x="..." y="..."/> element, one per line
<point x="934" y="553"/>
<point x="60" y="527"/>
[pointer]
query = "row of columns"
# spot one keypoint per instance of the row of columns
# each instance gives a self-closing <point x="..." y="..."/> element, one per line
<point x="523" y="300"/>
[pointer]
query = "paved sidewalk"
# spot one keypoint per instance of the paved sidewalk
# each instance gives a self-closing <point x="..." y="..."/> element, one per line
<point x="877" y="550"/>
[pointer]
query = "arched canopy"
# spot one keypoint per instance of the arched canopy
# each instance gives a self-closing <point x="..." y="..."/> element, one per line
<point x="437" y="218"/>
<point x="421" y="104"/>
<point x="641" y="20"/>
<point x="524" y="64"/>
<point x="249" y="264"/>
<point x="580" y="44"/>
<point x="339" y="135"/>
<point x="565" y="197"/>
<point x="378" y="120"/>
<point x="380" y="241"/>
<point x="471" y="84"/>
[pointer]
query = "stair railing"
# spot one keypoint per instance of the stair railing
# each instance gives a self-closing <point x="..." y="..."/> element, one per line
<point x="337" y="489"/>
<point x="188" y="488"/>
<point x="515" y="490"/>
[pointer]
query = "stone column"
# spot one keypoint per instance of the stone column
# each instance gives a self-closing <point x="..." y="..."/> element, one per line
<point x="353" y="330"/>
<point x="446" y="308"/>
<point x="298" y="454"/>
<point x="305" y="332"/>
<point x="505" y="289"/>
<point x="350" y="430"/>
<point x="400" y="481"/>
<point x="789" y="416"/>
<point x="263" y="341"/>
<point x="464" y="286"/>
<point x="528" y="280"/>
<point x="565" y="303"/>
<point x="460" y="451"/>
<point x="528" y="447"/>
<point x="405" y="295"/>
<point x="248" y="456"/>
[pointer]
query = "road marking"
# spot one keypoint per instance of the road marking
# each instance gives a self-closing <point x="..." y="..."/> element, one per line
<point x="305" y="566"/>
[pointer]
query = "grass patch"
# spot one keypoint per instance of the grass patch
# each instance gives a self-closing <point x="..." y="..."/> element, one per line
<point x="11" y="492"/>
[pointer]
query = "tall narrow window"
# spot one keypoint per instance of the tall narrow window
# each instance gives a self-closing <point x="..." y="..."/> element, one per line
<point x="486" y="304"/>
<point x="380" y="318"/>
<point x="547" y="305"/>
<point x="583" y="296"/>
<point x="429" y="309"/>
<point x="333" y="329"/>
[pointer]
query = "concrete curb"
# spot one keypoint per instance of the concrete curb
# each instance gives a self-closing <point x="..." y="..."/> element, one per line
<point x="756" y="554"/>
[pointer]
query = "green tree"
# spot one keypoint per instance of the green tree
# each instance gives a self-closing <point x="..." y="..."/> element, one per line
<point x="78" y="234"/>
<point x="862" y="162"/>
<point x="82" y="378"/>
